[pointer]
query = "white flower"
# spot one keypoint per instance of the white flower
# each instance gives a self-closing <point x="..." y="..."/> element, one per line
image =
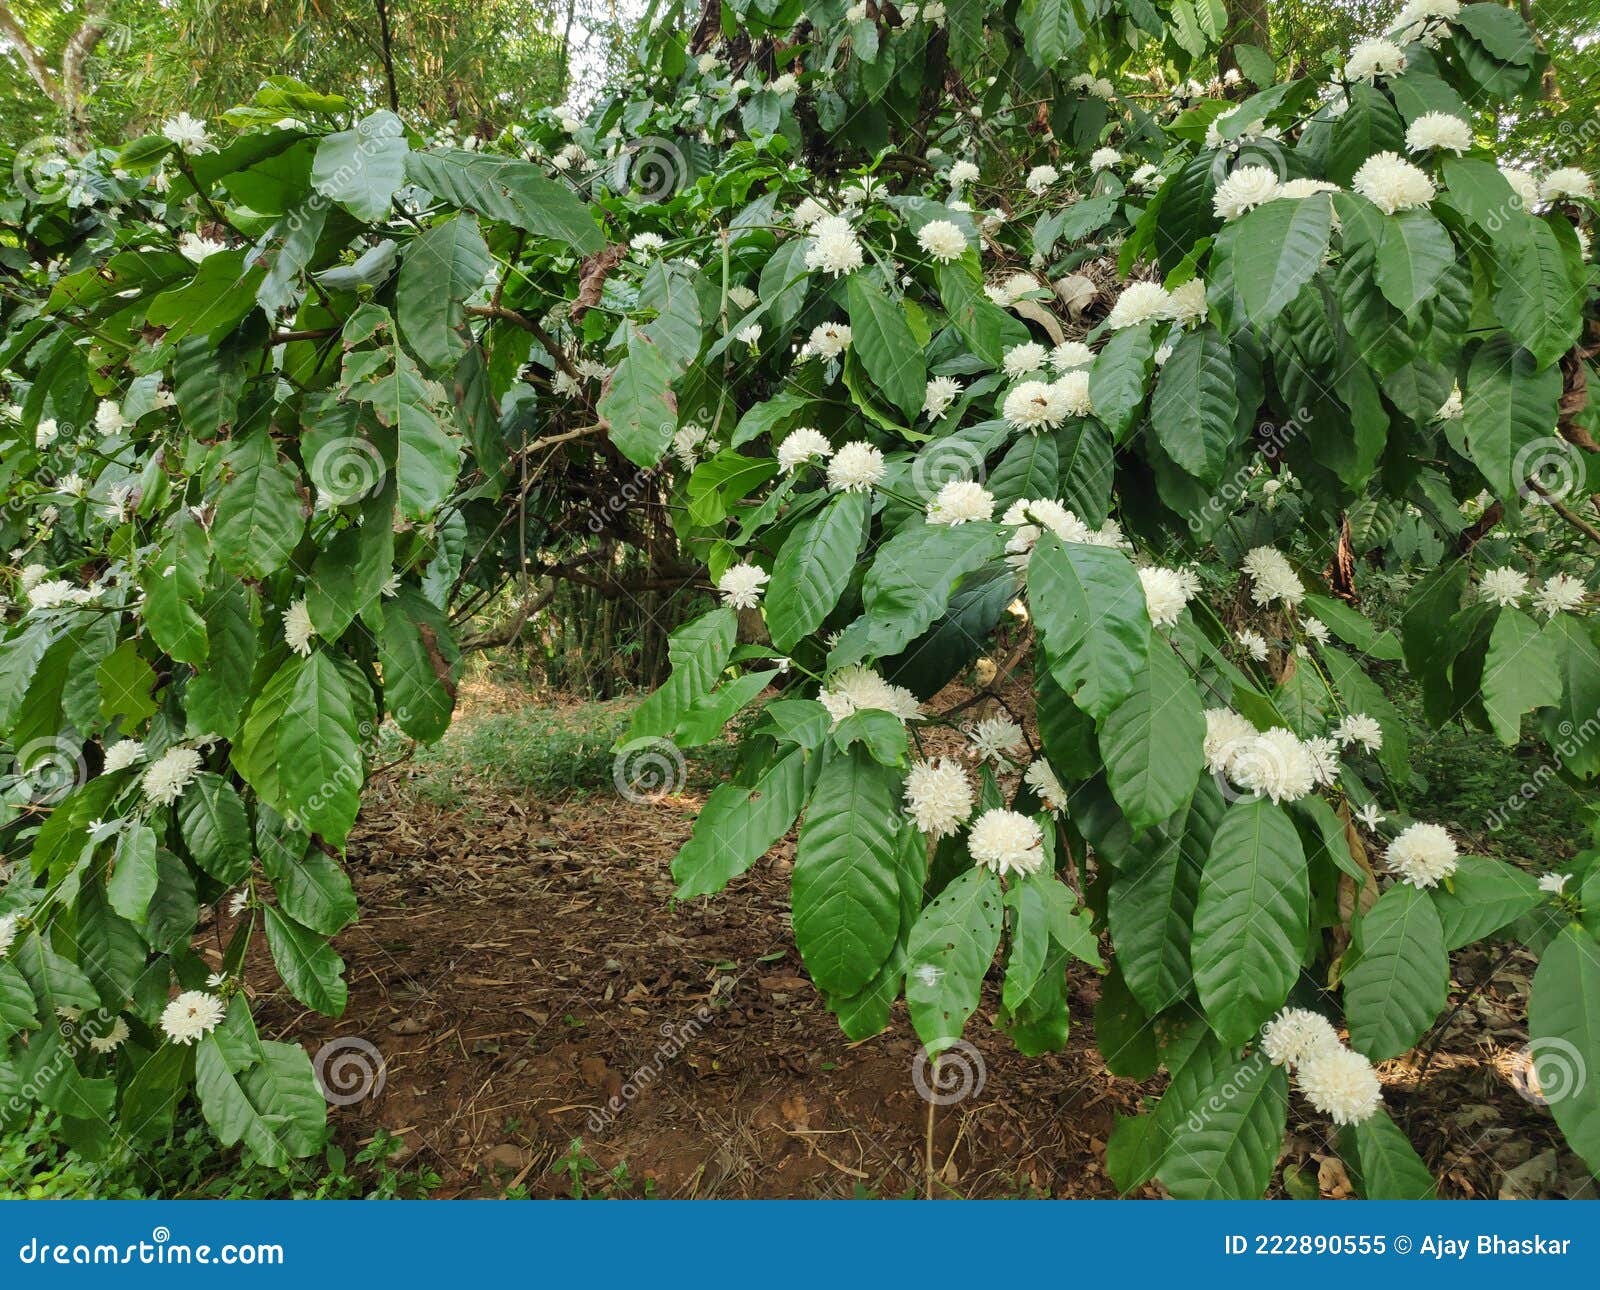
<point x="808" y="212"/>
<point x="72" y="484"/>
<point x="112" y="1040"/>
<point x="748" y="335"/>
<point x="646" y="244"/>
<point x="1226" y="732"/>
<point x="122" y="754"/>
<point x="741" y="585"/>
<point x="572" y="157"/>
<point x="1188" y="302"/>
<point x="1032" y="406"/>
<point x="1317" y="630"/>
<point x="834" y="248"/>
<point x="1324" y="754"/>
<point x="1275" y="764"/>
<point x="1561" y="591"/>
<point x="31" y="576"/>
<point x="1341" y="1083"/>
<point x="297" y="628"/>
<point x="108" y="418"/>
<point x="963" y="173"/>
<point x="707" y="63"/>
<point x="942" y="392"/>
<point x="828" y="340"/>
<point x="687" y="443"/>
<point x="938" y="796"/>
<point x="1423" y="855"/>
<point x="196" y="249"/>
<point x="1013" y="289"/>
<point x="1295" y="1035"/>
<point x="1359" y="728"/>
<point x="801" y="446"/>
<point x="1069" y="393"/>
<point x="1022" y="360"/>
<point x="1244" y="190"/>
<point x="1043" y="781"/>
<point x="1452" y="408"/>
<point x="188" y="132"/>
<point x="192" y="1015"/>
<point x="1272" y="577"/>
<point x="1040" y="178"/>
<point x="959" y="502"/>
<point x="1252" y="643"/>
<point x="171" y="773"/>
<point x="855" y="468"/>
<point x="1104" y="159"/>
<point x="1440" y="130"/>
<point x="1554" y="884"/>
<point x="1298" y="188"/>
<point x="1568" y="183"/>
<point x="994" y="737"/>
<point x="942" y="239"/>
<point x="856" y="687"/>
<point x="1391" y="183"/>
<point x="57" y="594"/>
<point x="1006" y="842"/>
<point x="1141" y="302"/>
<point x="1368" y="816"/>
<point x="743" y="297"/>
<point x="46" y="433"/>
<point x="1505" y="586"/>
<point x="1523" y="184"/>
<point x="1165" y="595"/>
<point x="1144" y="176"/>
<point x="788" y="83"/>
<point x="1374" y="58"/>
<point x="1071" y="354"/>
<point x="8" y="933"/>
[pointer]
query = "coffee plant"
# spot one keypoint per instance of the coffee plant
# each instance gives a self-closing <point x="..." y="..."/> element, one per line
<point x="934" y="336"/>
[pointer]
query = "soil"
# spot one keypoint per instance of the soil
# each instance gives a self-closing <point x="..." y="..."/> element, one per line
<point x="524" y="972"/>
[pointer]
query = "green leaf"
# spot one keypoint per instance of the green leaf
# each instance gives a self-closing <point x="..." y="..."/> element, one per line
<point x="1564" y="1030"/>
<point x="1510" y="407"/>
<point x="881" y="338"/>
<point x="1089" y="607"/>
<point x="1153" y="742"/>
<point x="988" y="329"/>
<point x="213" y="695"/>
<point x="172" y="584"/>
<point x="698" y="651"/>
<point x="739" y="824"/>
<point x="1575" y="643"/>
<point x="419" y="658"/>
<point x="845" y="892"/>
<point x="262" y="1094"/>
<point x="1361" y="694"/>
<point x="1117" y="379"/>
<point x="1413" y="254"/>
<point x="215" y="828"/>
<point x="1231" y="1142"/>
<point x="442" y="267"/>
<point x="637" y="406"/>
<point x="1050" y="30"/>
<point x="1276" y="249"/>
<point x="1536" y="298"/>
<point x="913" y="574"/>
<point x="307" y="964"/>
<point x="1482" y="897"/>
<point x="1385" y="1166"/>
<point x="951" y="947"/>
<point x="514" y="192"/>
<point x="1398" y="983"/>
<point x="1250" y="918"/>
<point x="1520" y="674"/>
<point x="319" y="750"/>
<point x="1195" y="408"/>
<point x="362" y="168"/>
<point x="17" y="1012"/>
<point x="814" y="567"/>
<point x="259" y="517"/>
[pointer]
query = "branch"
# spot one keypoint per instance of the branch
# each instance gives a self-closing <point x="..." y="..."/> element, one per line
<point x="75" y="94"/>
<point x="533" y="328"/>
<point x="31" y="58"/>
<point x="1565" y="512"/>
<point x="386" y="49"/>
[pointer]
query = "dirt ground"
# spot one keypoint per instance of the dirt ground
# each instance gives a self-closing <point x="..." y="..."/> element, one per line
<point x="520" y="962"/>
